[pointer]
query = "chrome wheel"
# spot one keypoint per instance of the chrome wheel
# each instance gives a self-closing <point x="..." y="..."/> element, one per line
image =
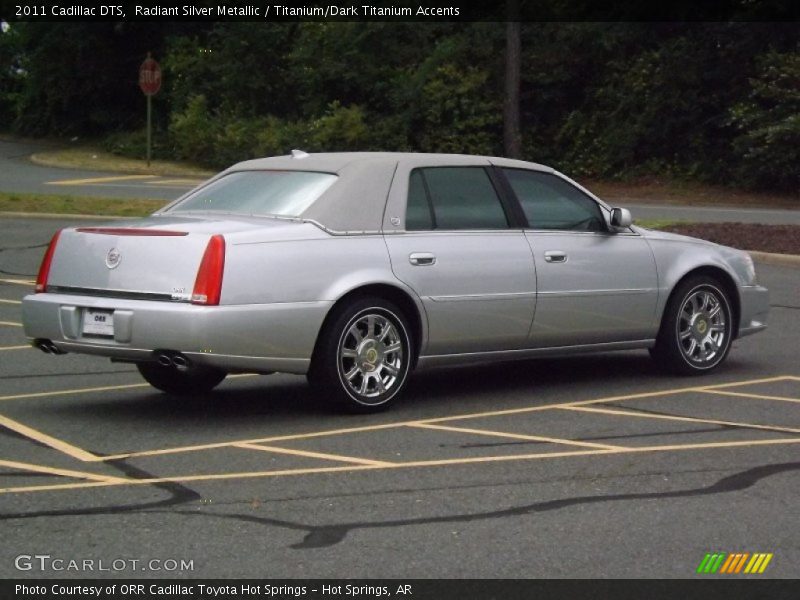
<point x="363" y="356"/>
<point x="702" y="327"/>
<point x="371" y="357"/>
<point x="697" y="328"/>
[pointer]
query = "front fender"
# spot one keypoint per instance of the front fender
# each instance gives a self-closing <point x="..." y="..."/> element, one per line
<point x="676" y="258"/>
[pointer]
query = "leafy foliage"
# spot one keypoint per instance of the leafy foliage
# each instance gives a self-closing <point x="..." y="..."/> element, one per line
<point x="714" y="102"/>
<point x="768" y="124"/>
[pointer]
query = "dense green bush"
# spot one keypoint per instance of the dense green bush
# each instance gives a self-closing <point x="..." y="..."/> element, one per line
<point x="216" y="139"/>
<point x="768" y="124"/>
<point x="133" y="144"/>
<point x="460" y="113"/>
<point x="716" y="102"/>
<point x="194" y="132"/>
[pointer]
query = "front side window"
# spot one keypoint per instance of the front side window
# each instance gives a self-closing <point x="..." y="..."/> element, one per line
<point x="549" y="202"/>
<point x="453" y="198"/>
<point x="263" y="193"/>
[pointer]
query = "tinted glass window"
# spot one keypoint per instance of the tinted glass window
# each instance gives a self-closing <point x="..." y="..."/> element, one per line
<point x="463" y="198"/>
<point x="550" y="202"/>
<point x="282" y="193"/>
<point x="418" y="209"/>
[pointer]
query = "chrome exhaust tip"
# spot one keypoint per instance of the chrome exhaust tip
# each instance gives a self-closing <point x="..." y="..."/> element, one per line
<point x="171" y="359"/>
<point x="48" y="347"/>
<point x="180" y="362"/>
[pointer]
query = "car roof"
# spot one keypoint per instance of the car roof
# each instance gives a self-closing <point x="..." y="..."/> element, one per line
<point x="357" y="201"/>
<point x="334" y="162"/>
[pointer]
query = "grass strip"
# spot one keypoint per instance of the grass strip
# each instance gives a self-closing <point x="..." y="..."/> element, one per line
<point x="77" y="205"/>
<point x="98" y="160"/>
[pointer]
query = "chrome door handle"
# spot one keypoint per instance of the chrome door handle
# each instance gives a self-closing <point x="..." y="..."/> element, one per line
<point x="555" y="256"/>
<point x="422" y="259"/>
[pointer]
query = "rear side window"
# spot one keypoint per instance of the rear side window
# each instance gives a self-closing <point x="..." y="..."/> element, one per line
<point x="549" y="202"/>
<point x="419" y="215"/>
<point x="454" y="198"/>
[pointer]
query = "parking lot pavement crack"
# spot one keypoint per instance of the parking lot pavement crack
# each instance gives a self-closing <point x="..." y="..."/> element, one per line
<point x="599" y="437"/>
<point x="643" y="412"/>
<point x="178" y="495"/>
<point x="323" y="536"/>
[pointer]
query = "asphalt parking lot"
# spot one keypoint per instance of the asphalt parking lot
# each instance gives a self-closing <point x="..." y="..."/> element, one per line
<point x="582" y="467"/>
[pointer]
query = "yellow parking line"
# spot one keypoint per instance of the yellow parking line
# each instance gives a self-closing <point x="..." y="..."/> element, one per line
<point x="625" y="413"/>
<point x="218" y="476"/>
<point x="405" y="465"/>
<point x="26" y="347"/>
<point x="4" y="301"/>
<point x="515" y="436"/>
<point x="748" y="382"/>
<point x="702" y="445"/>
<point x="755" y="396"/>
<point x="18" y="281"/>
<point x="306" y="453"/>
<point x="669" y="392"/>
<point x="100" y="179"/>
<point x="278" y="438"/>
<point x="20" y="466"/>
<point x="301" y="436"/>
<point x="105" y="388"/>
<point x="47" y="440"/>
<point x="10" y="324"/>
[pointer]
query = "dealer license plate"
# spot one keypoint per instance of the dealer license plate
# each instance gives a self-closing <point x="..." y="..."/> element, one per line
<point x="98" y="322"/>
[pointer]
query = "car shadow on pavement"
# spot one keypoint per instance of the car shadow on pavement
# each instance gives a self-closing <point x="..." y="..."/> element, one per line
<point x="285" y="397"/>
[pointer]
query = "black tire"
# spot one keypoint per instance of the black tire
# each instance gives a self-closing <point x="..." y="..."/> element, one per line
<point x="363" y="375"/>
<point x="180" y="382"/>
<point x="697" y="327"/>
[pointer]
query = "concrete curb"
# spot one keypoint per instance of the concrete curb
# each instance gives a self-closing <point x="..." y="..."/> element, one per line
<point x="783" y="260"/>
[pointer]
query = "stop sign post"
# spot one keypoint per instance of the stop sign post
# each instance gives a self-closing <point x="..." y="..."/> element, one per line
<point x="150" y="84"/>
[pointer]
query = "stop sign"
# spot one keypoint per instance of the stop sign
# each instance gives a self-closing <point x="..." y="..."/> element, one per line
<point x="150" y="77"/>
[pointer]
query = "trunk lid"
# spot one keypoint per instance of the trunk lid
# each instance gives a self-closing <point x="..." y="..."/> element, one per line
<point x="155" y="258"/>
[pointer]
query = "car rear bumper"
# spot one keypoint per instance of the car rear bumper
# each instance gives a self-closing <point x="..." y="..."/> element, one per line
<point x="253" y="337"/>
<point x="754" y="309"/>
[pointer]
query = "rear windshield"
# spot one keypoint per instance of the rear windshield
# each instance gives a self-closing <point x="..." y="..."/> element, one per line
<point x="281" y="193"/>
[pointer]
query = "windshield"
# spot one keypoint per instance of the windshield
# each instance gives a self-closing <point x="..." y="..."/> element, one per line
<point x="281" y="193"/>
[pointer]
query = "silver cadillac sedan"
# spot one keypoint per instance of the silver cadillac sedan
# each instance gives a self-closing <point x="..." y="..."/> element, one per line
<point x="356" y="268"/>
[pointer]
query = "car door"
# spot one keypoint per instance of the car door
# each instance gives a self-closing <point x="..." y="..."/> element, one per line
<point x="595" y="285"/>
<point x="458" y="246"/>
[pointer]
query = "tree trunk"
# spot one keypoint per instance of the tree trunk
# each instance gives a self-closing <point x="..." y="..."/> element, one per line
<point x="512" y="137"/>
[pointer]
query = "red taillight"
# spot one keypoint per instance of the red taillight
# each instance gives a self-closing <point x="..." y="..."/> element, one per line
<point x="44" y="269"/>
<point x="208" y="285"/>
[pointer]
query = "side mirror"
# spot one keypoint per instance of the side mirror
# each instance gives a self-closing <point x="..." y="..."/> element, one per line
<point x="621" y="217"/>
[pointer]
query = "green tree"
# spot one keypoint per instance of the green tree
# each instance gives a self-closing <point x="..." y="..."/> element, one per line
<point x="768" y="124"/>
<point x="81" y="78"/>
<point x="11" y="73"/>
